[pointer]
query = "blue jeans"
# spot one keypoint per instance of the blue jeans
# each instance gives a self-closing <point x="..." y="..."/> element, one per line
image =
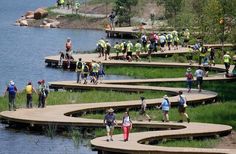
<point x="78" y="76"/>
<point x="189" y="84"/>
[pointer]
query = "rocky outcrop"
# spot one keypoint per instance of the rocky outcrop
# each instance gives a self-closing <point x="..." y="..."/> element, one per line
<point x="50" y="23"/>
<point x="38" y="14"/>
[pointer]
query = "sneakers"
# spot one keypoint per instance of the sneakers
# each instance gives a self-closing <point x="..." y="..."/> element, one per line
<point x="107" y="140"/>
<point x="111" y="139"/>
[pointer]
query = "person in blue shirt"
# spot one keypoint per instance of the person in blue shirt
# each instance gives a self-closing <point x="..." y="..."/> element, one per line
<point x="12" y="90"/>
<point x="165" y="107"/>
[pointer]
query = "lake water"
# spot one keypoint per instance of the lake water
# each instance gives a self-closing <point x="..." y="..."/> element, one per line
<point x="22" y="52"/>
<point x="23" y="48"/>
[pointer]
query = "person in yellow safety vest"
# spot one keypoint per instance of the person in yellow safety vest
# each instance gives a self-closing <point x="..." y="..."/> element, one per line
<point x="202" y="54"/>
<point x="62" y="3"/>
<point x="190" y="55"/>
<point x="123" y="47"/>
<point x="186" y="36"/>
<point x="117" y="48"/>
<point x="138" y="48"/>
<point x="169" y="39"/>
<point x="85" y="72"/>
<point x="101" y="45"/>
<point x="107" y="50"/>
<point x="76" y="6"/>
<point x="129" y="51"/>
<point x="95" y="69"/>
<point x="227" y="59"/>
<point x="29" y="91"/>
<point x="175" y="39"/>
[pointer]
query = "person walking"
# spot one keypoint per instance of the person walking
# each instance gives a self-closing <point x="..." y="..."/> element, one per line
<point x="29" y="91"/>
<point x="227" y="59"/>
<point x="110" y="121"/>
<point x="199" y="77"/>
<point x="142" y="111"/>
<point x="189" y="78"/>
<point x="43" y="93"/>
<point x="182" y="107"/>
<point x="79" y="67"/>
<point x="165" y="107"/>
<point x="126" y="125"/>
<point x="12" y="91"/>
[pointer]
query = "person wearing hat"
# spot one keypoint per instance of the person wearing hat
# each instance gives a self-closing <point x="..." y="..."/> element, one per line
<point x="12" y="90"/>
<point x="165" y="107"/>
<point x="189" y="79"/>
<point x="182" y="107"/>
<point x="227" y="59"/>
<point x="110" y="121"/>
<point x="142" y="111"/>
<point x="29" y="90"/>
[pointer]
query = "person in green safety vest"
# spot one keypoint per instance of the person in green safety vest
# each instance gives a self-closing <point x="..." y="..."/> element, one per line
<point x="117" y="48"/>
<point x="101" y="47"/>
<point x="175" y="39"/>
<point x="138" y="48"/>
<point x="227" y="59"/>
<point x="186" y="37"/>
<point x="169" y="39"/>
<point x="107" y="50"/>
<point x="129" y="51"/>
<point x="202" y="54"/>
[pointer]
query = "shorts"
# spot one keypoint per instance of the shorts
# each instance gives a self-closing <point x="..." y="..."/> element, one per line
<point x="199" y="80"/>
<point x="186" y="40"/>
<point x="169" y="43"/>
<point x="181" y="109"/>
<point x="163" y="44"/>
<point x="109" y="128"/>
<point x="176" y="43"/>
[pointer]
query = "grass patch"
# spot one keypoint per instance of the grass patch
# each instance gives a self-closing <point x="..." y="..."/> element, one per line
<point x="200" y="143"/>
<point x="148" y="72"/>
<point x="225" y="89"/>
<point x="219" y="113"/>
<point x="93" y="96"/>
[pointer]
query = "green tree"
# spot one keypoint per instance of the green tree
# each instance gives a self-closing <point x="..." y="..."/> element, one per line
<point x="123" y="9"/>
<point x="172" y="7"/>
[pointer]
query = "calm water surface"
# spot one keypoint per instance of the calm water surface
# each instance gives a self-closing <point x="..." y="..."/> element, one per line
<point x="22" y="52"/>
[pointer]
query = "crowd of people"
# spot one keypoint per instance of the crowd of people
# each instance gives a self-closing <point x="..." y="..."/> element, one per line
<point x="42" y="92"/>
<point x="131" y="50"/>
<point x="94" y="70"/>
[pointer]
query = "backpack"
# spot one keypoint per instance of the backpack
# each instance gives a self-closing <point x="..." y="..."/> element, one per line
<point x="144" y="40"/>
<point x="11" y="89"/>
<point x="125" y="45"/>
<point x="86" y="69"/>
<point x="79" y="65"/>
<point x="181" y="101"/>
<point x="189" y="76"/>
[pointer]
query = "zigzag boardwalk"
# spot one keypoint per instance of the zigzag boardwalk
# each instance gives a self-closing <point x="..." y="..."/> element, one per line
<point x="62" y="115"/>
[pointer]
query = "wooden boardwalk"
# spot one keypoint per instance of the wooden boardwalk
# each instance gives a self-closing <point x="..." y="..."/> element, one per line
<point x="53" y="60"/>
<point x="61" y="115"/>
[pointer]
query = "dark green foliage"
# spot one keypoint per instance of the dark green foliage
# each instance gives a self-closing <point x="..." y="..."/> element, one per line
<point x="123" y="9"/>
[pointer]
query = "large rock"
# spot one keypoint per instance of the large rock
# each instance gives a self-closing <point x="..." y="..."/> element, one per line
<point x="30" y="16"/>
<point x="55" y="24"/>
<point x="40" y="13"/>
<point x="29" y="13"/>
<point x="23" y="23"/>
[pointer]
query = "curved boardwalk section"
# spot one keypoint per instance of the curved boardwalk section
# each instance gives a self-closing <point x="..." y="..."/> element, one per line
<point x="62" y="115"/>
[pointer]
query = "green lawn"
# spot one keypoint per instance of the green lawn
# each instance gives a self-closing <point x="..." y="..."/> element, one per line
<point x="93" y="96"/>
<point x="148" y="72"/>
